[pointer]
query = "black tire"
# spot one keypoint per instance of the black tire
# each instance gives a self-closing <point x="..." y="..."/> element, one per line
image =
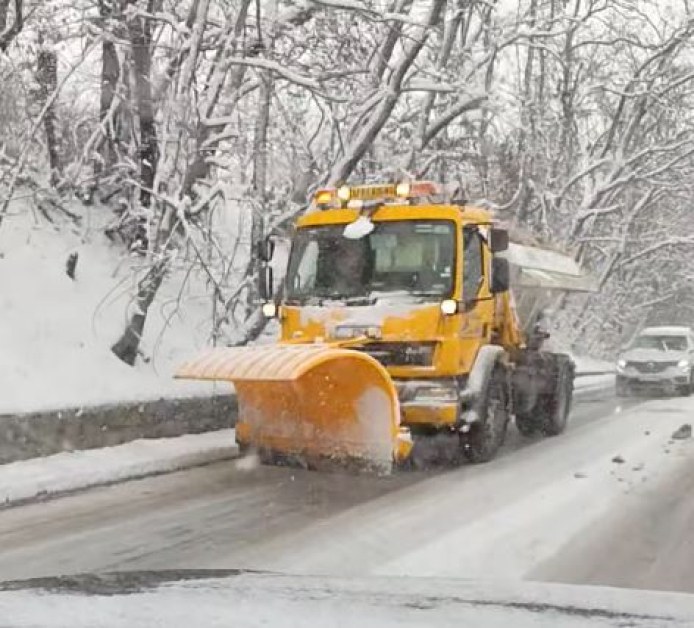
<point x="527" y="425"/>
<point x="687" y="389"/>
<point x="622" y="388"/>
<point x="557" y="406"/>
<point x="486" y="436"/>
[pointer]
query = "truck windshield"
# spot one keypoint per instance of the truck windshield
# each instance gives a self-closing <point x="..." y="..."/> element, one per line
<point x="413" y="257"/>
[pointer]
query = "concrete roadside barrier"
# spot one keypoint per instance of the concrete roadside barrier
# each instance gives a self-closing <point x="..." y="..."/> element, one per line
<point x="44" y="433"/>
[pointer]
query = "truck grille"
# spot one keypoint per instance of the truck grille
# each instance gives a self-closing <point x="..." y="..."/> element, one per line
<point x="651" y="367"/>
<point x="401" y="353"/>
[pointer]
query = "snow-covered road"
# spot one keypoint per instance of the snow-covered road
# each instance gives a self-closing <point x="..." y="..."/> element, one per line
<point x="525" y="515"/>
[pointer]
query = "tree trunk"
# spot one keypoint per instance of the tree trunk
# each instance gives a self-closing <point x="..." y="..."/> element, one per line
<point x="47" y="78"/>
<point x="128" y="345"/>
<point x="110" y="74"/>
<point x="8" y="34"/>
<point x="140" y="34"/>
<point x="262" y="125"/>
<point x="526" y="137"/>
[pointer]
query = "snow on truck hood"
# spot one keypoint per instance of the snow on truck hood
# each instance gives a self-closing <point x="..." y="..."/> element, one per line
<point x="178" y="599"/>
<point x="330" y="315"/>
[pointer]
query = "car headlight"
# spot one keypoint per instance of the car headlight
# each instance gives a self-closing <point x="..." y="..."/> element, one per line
<point x="684" y="364"/>
<point x="621" y="364"/>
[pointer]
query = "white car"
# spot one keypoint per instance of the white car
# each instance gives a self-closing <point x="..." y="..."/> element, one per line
<point x="659" y="359"/>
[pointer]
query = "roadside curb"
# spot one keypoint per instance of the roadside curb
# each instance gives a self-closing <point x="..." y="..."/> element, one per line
<point x="35" y="479"/>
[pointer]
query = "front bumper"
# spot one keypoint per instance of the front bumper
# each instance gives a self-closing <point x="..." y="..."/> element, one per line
<point x="668" y="381"/>
<point x="432" y="402"/>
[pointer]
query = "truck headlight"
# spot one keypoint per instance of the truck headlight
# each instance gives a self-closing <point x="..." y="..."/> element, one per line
<point x="684" y="364"/>
<point x="621" y="364"/>
<point x="437" y="392"/>
<point x="269" y="309"/>
<point x="449" y="307"/>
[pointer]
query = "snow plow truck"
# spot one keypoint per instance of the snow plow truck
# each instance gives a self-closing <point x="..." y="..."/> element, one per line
<point x="405" y="316"/>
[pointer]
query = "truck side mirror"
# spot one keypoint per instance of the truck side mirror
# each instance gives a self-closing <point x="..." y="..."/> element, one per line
<point x="265" y="284"/>
<point x="501" y="275"/>
<point x="498" y="240"/>
<point x="265" y="249"/>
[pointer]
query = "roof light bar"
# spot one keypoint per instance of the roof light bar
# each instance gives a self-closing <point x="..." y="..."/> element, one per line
<point x="354" y="196"/>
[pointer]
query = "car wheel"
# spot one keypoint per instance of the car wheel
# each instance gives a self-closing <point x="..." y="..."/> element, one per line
<point x="687" y="389"/>
<point x="622" y="388"/>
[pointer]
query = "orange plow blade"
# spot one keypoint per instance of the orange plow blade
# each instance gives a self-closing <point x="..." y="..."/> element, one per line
<point x="313" y="403"/>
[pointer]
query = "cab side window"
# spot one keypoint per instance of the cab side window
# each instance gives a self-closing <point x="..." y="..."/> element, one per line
<point x="472" y="262"/>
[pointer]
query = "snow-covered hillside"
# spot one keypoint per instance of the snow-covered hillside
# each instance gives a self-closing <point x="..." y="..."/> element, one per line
<point x="56" y="333"/>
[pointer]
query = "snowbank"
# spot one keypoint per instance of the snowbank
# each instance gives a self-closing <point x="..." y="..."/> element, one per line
<point x="56" y="333"/>
<point x="69" y="471"/>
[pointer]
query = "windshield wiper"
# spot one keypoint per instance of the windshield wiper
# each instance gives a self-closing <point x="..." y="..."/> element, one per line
<point x="426" y="293"/>
<point x="321" y="299"/>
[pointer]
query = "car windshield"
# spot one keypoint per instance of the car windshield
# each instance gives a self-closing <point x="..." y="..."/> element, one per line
<point x="412" y="258"/>
<point x="345" y="290"/>
<point x="661" y="343"/>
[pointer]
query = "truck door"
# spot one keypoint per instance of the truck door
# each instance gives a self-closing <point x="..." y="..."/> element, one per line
<point x="479" y="306"/>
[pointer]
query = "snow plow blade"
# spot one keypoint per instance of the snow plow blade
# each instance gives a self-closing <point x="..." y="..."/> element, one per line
<point x="315" y="405"/>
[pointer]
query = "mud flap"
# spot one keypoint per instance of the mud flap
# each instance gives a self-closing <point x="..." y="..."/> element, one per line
<point x="315" y="403"/>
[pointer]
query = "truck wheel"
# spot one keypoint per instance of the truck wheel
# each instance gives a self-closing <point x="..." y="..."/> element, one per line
<point x="487" y="435"/>
<point x="526" y="425"/>
<point x="558" y="405"/>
